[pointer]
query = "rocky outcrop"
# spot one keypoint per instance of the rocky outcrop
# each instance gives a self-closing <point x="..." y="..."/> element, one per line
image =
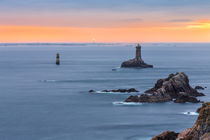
<point x="199" y="131"/>
<point x="175" y="86"/>
<point x="135" y="63"/>
<point x="118" y="90"/>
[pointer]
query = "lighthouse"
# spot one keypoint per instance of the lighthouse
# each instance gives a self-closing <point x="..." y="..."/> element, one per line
<point x="138" y="52"/>
<point x="137" y="62"/>
<point x="57" y="59"/>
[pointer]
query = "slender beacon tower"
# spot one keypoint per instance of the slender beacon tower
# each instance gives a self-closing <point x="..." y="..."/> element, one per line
<point x="57" y="59"/>
<point x="138" y="52"/>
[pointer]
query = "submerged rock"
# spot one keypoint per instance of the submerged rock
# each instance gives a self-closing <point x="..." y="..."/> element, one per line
<point x="199" y="131"/>
<point x="175" y="86"/>
<point x="137" y="62"/>
<point x="121" y="90"/>
<point x="199" y="88"/>
<point x="118" y="90"/>
<point x="92" y="90"/>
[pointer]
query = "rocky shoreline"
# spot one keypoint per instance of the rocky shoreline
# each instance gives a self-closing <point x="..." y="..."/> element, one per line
<point x="175" y="88"/>
<point x="199" y="131"/>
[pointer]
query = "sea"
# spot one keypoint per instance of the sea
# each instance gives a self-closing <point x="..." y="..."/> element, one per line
<point x="40" y="100"/>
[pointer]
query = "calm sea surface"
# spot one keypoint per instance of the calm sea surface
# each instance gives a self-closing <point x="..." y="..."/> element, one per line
<point x="42" y="101"/>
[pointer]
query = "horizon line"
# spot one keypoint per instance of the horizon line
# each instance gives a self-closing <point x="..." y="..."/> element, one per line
<point x="99" y="42"/>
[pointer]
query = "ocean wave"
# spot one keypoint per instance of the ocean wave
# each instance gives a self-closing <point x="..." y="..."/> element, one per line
<point x="126" y="103"/>
<point x="190" y="113"/>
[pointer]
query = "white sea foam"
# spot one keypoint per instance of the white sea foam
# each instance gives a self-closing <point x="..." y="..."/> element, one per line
<point x="103" y="92"/>
<point x="190" y="113"/>
<point x="126" y="103"/>
<point x="48" y="81"/>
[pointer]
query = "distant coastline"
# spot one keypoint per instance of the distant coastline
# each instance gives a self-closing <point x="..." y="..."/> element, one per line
<point x="101" y="43"/>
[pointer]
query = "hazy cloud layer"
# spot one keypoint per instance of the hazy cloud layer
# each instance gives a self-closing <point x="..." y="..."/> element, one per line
<point x="101" y="13"/>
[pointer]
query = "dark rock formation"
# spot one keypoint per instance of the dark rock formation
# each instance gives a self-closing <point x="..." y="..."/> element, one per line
<point x="136" y="62"/>
<point x="176" y="86"/>
<point x="121" y="90"/>
<point x="92" y="90"/>
<point x="199" y="131"/>
<point x="199" y="88"/>
<point x="118" y="90"/>
<point x="183" y="98"/>
<point x="168" y="135"/>
<point x="149" y="98"/>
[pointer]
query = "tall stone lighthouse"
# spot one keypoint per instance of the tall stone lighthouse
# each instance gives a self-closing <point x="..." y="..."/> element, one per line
<point x="138" y="52"/>
<point x="137" y="61"/>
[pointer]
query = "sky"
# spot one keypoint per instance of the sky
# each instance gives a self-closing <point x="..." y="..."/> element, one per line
<point x="104" y="21"/>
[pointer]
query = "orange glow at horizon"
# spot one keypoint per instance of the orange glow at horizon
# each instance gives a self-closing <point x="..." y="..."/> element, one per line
<point x="193" y="32"/>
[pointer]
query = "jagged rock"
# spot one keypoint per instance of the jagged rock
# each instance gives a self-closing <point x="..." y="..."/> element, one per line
<point x="168" y="135"/>
<point x="137" y="62"/>
<point x="121" y="90"/>
<point x="199" y="131"/>
<point x="199" y="88"/>
<point x="175" y="86"/>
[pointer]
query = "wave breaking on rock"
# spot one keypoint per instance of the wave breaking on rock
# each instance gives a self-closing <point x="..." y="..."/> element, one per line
<point x="199" y="131"/>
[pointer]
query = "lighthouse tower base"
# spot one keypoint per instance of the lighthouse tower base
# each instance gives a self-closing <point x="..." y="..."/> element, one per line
<point x="135" y="63"/>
